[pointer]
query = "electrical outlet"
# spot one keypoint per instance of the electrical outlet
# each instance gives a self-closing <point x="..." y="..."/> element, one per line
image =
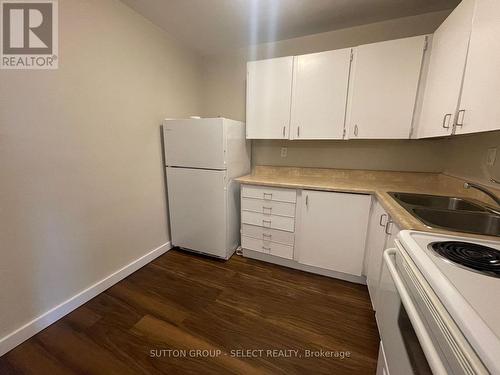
<point x="492" y="156"/>
<point x="284" y="152"/>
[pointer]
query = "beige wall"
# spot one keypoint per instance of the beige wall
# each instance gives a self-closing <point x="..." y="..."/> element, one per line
<point x="82" y="190"/>
<point x="224" y="95"/>
<point x="461" y="156"/>
<point x="466" y="156"/>
<point x="397" y="155"/>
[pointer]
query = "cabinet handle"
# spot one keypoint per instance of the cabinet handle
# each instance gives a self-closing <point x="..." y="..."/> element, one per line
<point x="270" y="195"/>
<point x="356" y="130"/>
<point x="388" y="227"/>
<point x="307" y="201"/>
<point x="446" y="116"/>
<point x="381" y="219"/>
<point x="460" y="123"/>
<point x="267" y="235"/>
<point x="284" y="131"/>
<point x="266" y="222"/>
<point x="298" y="131"/>
<point x="266" y="208"/>
<point x="266" y="248"/>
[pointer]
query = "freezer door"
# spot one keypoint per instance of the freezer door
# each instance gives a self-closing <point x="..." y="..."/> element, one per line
<point x="195" y="143"/>
<point x="198" y="212"/>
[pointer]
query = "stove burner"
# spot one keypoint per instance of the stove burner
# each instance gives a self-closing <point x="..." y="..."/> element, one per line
<point x="482" y="259"/>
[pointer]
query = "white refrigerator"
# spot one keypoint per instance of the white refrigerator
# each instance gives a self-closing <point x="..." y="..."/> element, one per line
<point x="203" y="157"/>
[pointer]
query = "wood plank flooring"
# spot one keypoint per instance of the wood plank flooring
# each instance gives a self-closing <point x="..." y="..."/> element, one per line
<point x="186" y="302"/>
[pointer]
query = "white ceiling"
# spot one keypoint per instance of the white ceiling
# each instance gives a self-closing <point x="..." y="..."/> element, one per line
<point x="210" y="26"/>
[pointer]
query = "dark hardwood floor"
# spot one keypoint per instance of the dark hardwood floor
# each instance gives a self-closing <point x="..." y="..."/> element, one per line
<point x="185" y="302"/>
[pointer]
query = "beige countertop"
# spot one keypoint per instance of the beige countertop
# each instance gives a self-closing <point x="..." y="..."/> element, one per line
<point x="377" y="183"/>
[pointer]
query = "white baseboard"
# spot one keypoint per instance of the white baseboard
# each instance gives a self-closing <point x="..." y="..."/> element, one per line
<point x="28" y="330"/>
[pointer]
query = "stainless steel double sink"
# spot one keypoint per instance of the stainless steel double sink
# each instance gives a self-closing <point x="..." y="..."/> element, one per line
<point x="451" y="213"/>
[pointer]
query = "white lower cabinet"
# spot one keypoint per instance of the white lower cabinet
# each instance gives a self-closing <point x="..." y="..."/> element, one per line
<point x="375" y="245"/>
<point x="316" y="231"/>
<point x="382" y="368"/>
<point x="269" y="194"/>
<point x="279" y="236"/>
<point x="381" y="234"/>
<point x="268" y="220"/>
<point x="268" y="207"/>
<point x="268" y="247"/>
<point x="332" y="230"/>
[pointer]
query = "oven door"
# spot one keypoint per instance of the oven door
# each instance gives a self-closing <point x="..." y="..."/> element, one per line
<point x="408" y="346"/>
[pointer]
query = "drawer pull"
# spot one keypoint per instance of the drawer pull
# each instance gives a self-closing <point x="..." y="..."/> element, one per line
<point x="269" y="193"/>
<point x="266" y="248"/>
<point x="268" y="221"/>
<point x="266" y="208"/>
<point x="267" y="235"/>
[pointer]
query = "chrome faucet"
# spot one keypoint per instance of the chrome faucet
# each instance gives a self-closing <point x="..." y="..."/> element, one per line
<point x="489" y="193"/>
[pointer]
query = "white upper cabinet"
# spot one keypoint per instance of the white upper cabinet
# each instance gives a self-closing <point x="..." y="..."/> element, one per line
<point x="384" y="85"/>
<point x="332" y="230"/>
<point x="445" y="72"/>
<point x="269" y="91"/>
<point x="456" y="83"/>
<point x="319" y="97"/>
<point x="479" y="108"/>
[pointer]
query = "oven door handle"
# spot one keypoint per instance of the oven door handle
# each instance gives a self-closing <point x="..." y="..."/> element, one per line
<point x="425" y="340"/>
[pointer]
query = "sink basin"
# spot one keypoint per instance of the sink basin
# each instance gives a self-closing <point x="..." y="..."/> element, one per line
<point x="460" y="221"/>
<point x="437" y="202"/>
<point x="450" y="213"/>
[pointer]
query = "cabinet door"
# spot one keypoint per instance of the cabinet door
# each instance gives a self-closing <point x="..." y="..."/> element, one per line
<point x="320" y="95"/>
<point x="375" y="246"/>
<point x="479" y="109"/>
<point x="269" y="92"/>
<point x="445" y="73"/>
<point x="332" y="230"/>
<point x="382" y="368"/>
<point x="385" y="78"/>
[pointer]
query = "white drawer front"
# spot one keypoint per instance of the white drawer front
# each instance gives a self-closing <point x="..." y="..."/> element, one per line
<point x="268" y="207"/>
<point x="268" y="221"/>
<point x="269" y="193"/>
<point x="280" y="236"/>
<point x="268" y="247"/>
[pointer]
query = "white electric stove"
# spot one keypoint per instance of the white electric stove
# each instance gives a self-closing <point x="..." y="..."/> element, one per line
<point x="440" y="298"/>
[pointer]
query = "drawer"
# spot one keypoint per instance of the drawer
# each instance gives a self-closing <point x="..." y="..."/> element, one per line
<point x="268" y="221"/>
<point x="268" y="247"/>
<point x="274" y="235"/>
<point x="269" y="193"/>
<point x="268" y="207"/>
